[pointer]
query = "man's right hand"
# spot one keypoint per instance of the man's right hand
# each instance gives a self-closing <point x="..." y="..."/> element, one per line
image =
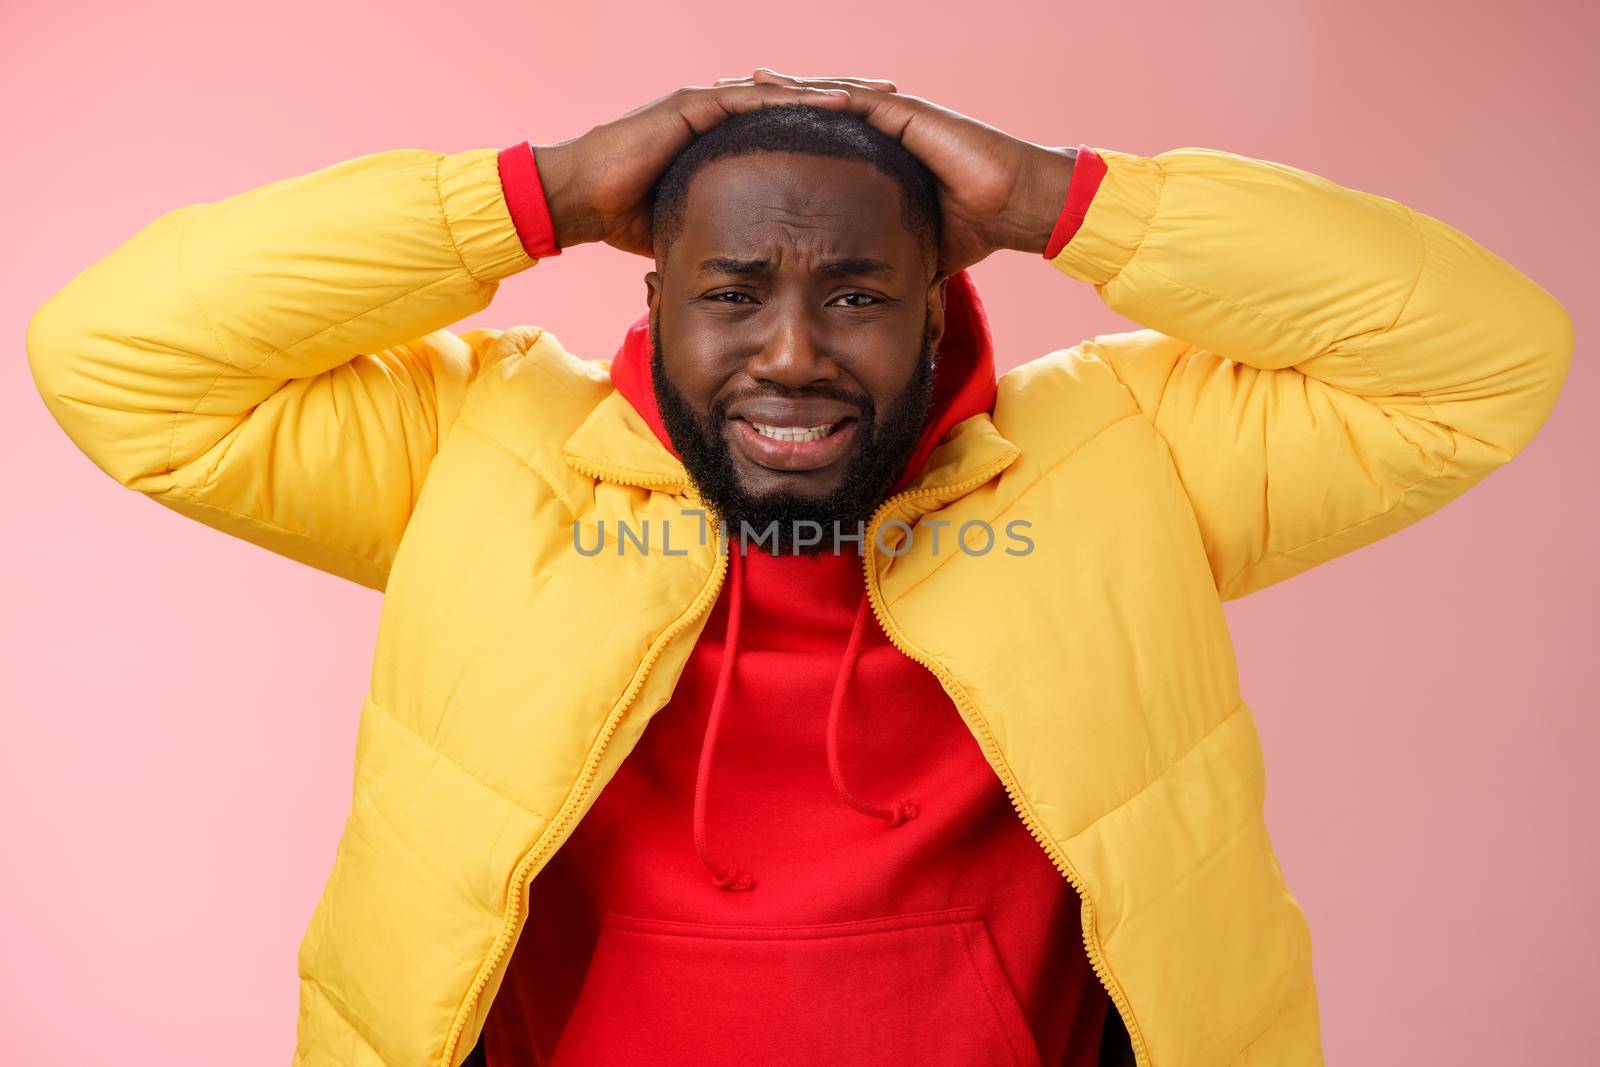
<point x="598" y="185"/>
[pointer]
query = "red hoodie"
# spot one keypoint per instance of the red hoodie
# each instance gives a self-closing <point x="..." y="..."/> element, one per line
<point x="807" y="857"/>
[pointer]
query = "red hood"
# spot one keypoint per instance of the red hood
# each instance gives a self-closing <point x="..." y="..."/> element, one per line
<point x="964" y="384"/>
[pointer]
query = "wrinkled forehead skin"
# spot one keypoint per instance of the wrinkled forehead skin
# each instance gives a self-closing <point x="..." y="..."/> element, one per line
<point x="796" y="212"/>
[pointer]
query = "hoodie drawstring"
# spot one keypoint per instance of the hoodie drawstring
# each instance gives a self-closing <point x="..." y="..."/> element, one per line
<point x="903" y="809"/>
<point x="725" y="877"/>
<point x="732" y="878"/>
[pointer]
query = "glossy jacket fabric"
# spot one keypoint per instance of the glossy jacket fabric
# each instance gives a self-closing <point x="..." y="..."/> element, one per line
<point x="1317" y="368"/>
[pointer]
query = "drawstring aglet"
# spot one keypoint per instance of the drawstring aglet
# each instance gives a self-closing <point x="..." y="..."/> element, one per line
<point x="903" y="811"/>
<point x="733" y="880"/>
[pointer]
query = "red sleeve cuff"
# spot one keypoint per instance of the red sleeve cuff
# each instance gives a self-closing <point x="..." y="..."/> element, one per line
<point x="1086" y="175"/>
<point x="519" y="180"/>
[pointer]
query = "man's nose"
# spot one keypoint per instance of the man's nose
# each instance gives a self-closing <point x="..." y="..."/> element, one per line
<point x="792" y="356"/>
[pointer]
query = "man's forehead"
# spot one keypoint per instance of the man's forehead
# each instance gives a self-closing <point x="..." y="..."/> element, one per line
<point x="782" y="176"/>
<point x="758" y="207"/>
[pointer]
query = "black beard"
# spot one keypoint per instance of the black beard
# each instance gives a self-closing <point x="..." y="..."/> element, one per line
<point x="771" y="520"/>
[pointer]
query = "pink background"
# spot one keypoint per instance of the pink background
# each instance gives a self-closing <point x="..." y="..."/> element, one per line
<point x="180" y="707"/>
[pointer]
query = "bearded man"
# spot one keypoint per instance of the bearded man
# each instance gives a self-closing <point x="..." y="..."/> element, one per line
<point x="792" y="687"/>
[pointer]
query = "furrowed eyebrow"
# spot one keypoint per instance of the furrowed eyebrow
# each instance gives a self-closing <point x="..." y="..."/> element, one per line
<point x="853" y="266"/>
<point x="849" y="266"/>
<point x="725" y="265"/>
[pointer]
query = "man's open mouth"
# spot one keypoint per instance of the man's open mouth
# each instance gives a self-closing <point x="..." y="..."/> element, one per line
<point x="795" y="433"/>
<point x="791" y="445"/>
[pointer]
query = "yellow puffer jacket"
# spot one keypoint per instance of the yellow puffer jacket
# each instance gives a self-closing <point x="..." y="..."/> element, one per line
<point x="1321" y="367"/>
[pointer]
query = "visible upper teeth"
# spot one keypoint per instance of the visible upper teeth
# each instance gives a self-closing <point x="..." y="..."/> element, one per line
<point x="793" y="433"/>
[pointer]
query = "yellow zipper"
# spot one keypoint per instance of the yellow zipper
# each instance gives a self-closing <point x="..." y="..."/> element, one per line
<point x="991" y="752"/>
<point x="553" y="838"/>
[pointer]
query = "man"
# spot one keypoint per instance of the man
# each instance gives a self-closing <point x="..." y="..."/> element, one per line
<point x="790" y="689"/>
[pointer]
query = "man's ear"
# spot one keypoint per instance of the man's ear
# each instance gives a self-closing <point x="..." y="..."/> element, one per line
<point x="935" y="314"/>
<point x="652" y="293"/>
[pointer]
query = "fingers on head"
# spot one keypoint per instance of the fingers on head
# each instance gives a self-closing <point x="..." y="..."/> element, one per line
<point x="766" y="77"/>
<point x="842" y="81"/>
<point x="739" y="97"/>
<point x="704" y="106"/>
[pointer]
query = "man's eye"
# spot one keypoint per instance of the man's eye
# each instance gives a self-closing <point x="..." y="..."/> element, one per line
<point x="732" y="296"/>
<point x="865" y="299"/>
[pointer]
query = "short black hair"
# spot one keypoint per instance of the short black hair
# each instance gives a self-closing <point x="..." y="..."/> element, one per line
<point x="804" y="131"/>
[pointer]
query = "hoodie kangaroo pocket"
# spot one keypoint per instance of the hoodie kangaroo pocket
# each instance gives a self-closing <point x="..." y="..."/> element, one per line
<point x="924" y="988"/>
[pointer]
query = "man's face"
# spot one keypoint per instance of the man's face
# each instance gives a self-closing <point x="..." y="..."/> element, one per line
<point x="794" y="321"/>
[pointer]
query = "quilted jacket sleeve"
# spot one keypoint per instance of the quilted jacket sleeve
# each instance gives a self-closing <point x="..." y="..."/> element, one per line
<point x="275" y="364"/>
<point x="1326" y="366"/>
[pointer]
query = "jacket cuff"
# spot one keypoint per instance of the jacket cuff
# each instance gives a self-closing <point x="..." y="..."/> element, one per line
<point x="1086" y="174"/>
<point x="476" y="215"/>
<point x="1114" y="224"/>
<point x="519" y="177"/>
